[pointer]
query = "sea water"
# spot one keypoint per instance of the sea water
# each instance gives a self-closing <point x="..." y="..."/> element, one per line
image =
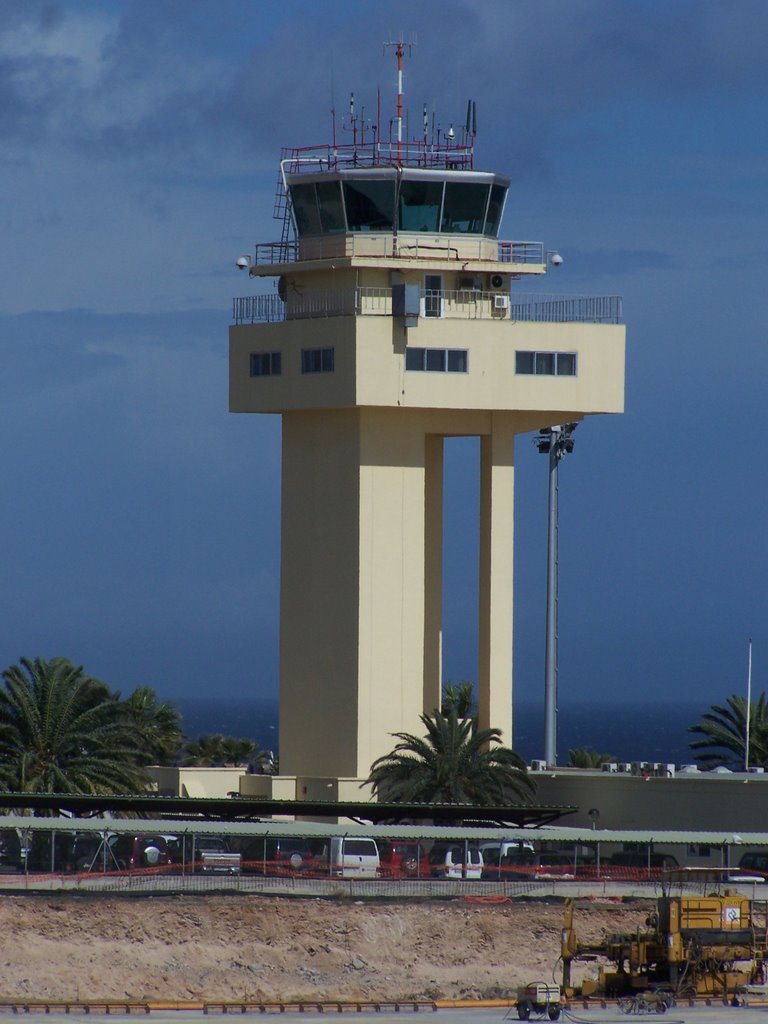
<point x="626" y="732"/>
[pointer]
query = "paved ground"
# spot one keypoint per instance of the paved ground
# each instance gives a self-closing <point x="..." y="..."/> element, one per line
<point x="696" y="1015"/>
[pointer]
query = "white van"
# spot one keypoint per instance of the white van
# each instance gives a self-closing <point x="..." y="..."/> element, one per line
<point x="351" y="857"/>
<point x="446" y="860"/>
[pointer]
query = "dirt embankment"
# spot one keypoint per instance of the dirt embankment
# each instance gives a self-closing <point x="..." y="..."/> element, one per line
<point x="272" y="948"/>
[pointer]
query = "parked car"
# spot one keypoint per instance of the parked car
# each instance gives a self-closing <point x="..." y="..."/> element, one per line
<point x="755" y="863"/>
<point x="403" y="859"/>
<point x="128" y="852"/>
<point x="349" y="857"/>
<point x="212" y="855"/>
<point x="530" y="864"/>
<point x="638" y="864"/>
<point x="11" y="858"/>
<point x="277" y="855"/>
<point x="446" y="860"/>
<point x="61" y="852"/>
<point x="494" y="854"/>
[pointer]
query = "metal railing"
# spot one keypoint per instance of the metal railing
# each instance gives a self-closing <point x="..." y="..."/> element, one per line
<point x="402" y="246"/>
<point x="562" y="309"/>
<point x="464" y="304"/>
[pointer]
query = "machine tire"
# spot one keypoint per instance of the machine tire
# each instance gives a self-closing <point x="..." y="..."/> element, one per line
<point x="553" y="1011"/>
<point x="523" y="1010"/>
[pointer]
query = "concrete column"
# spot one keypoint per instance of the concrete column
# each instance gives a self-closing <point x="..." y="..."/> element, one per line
<point x="496" y="558"/>
<point x="433" y="571"/>
<point x="391" y="581"/>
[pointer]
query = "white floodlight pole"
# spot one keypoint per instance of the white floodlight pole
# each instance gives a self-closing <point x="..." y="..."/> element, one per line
<point x="749" y="708"/>
<point x="550" y="651"/>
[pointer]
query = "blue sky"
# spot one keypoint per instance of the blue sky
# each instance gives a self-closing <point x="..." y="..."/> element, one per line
<point x="140" y="520"/>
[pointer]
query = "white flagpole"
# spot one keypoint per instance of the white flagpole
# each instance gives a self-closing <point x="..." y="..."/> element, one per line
<point x="749" y="708"/>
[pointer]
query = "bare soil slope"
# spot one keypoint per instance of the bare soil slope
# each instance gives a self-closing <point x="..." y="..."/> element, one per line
<point x="277" y="948"/>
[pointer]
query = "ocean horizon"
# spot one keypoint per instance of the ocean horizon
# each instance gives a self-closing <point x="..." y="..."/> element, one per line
<point x="631" y="732"/>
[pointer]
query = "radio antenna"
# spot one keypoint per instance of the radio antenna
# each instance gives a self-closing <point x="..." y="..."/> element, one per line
<point x="399" y="46"/>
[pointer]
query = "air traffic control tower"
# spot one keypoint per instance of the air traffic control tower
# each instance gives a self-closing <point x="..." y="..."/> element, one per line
<point x="399" y="318"/>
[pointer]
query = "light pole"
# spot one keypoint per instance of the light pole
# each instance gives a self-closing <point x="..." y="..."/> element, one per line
<point x="556" y="442"/>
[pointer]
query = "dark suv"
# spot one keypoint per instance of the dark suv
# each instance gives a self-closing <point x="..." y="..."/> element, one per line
<point x="277" y="855"/>
<point x="127" y="852"/>
<point x="10" y="850"/>
<point x="403" y="859"/>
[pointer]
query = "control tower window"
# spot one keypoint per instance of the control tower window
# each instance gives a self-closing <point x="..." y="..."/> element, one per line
<point x="305" y="209"/>
<point x="330" y="206"/>
<point x="419" y="205"/>
<point x="464" y="208"/>
<point x="495" y="208"/>
<point x="370" y="205"/>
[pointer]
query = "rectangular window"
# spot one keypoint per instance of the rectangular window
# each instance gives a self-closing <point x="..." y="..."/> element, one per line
<point x="548" y="364"/>
<point x="566" y="364"/>
<point x="317" y="360"/>
<point x="437" y="360"/>
<point x="266" y="364"/>
<point x="544" y="363"/>
<point x="414" y="358"/>
<point x="457" y="360"/>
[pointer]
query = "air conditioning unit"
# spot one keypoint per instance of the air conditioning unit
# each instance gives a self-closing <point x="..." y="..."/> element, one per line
<point x="625" y="767"/>
<point x="538" y="766"/>
<point x="640" y="767"/>
<point x="497" y="282"/>
<point x="501" y="302"/>
<point x="609" y="766"/>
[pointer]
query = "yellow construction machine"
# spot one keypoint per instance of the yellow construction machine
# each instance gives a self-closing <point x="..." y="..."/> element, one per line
<point x="692" y="946"/>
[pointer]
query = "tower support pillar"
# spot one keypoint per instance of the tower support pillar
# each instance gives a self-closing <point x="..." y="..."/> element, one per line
<point x="496" y="564"/>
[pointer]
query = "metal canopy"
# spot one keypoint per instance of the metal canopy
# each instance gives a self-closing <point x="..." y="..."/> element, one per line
<point x="249" y="809"/>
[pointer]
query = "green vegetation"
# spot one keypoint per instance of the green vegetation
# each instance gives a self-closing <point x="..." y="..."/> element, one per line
<point x="221" y="751"/>
<point x="585" y="757"/>
<point x="63" y="731"/>
<point x="723" y="729"/>
<point x="459" y="697"/>
<point x="157" y="726"/>
<point x="456" y="762"/>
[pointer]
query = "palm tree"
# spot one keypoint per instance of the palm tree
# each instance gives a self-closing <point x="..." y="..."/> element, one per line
<point x="461" y="698"/>
<point x="723" y="730"/>
<point x="157" y="726"/>
<point x="62" y="731"/>
<point x="585" y="757"/>
<point x="454" y="763"/>
<point x="216" y="751"/>
<point x="204" y="752"/>
<point x="238" y="752"/>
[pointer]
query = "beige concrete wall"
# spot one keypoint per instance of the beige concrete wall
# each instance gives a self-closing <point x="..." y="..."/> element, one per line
<point x="293" y="389"/>
<point x="693" y="802"/>
<point x="196" y="782"/>
<point x="370" y="366"/>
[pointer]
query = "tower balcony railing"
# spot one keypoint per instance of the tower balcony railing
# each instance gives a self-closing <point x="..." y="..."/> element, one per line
<point x="461" y="304"/>
<point x="386" y="245"/>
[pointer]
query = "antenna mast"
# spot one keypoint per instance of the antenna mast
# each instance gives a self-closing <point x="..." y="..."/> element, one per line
<point x="399" y="46"/>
